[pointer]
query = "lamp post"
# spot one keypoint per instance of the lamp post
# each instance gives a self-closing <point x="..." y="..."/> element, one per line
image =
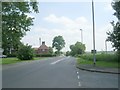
<point x="106" y="46"/>
<point x="94" y="57"/>
<point x="40" y="41"/>
<point x="81" y="36"/>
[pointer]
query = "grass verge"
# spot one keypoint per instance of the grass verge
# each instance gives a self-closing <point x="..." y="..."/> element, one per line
<point x="98" y="63"/>
<point x="16" y="60"/>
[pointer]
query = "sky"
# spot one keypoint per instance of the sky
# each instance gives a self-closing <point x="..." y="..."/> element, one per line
<point x="66" y="19"/>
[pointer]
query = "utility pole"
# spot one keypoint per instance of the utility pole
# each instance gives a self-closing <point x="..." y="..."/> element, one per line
<point x="94" y="57"/>
<point x="106" y="46"/>
<point x="40" y="41"/>
<point x="81" y="36"/>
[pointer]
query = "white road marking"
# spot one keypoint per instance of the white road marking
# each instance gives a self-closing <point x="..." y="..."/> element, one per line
<point x="77" y="72"/>
<point x="79" y="84"/>
<point x="78" y="77"/>
<point x="57" y="61"/>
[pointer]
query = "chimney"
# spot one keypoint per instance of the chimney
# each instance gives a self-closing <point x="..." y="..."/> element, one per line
<point x="43" y="43"/>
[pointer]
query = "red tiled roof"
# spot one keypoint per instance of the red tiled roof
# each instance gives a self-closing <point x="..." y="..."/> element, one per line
<point x="43" y="47"/>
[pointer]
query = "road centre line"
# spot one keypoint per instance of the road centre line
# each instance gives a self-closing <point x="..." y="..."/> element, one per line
<point x="79" y="84"/>
<point x="78" y="77"/>
<point x="58" y="61"/>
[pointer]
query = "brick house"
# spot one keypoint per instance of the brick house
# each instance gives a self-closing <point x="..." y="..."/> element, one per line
<point x="42" y="49"/>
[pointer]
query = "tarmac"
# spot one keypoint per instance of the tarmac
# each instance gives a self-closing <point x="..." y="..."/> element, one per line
<point x="93" y="68"/>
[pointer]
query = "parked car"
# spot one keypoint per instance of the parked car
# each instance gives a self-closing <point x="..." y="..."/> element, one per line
<point x="3" y="56"/>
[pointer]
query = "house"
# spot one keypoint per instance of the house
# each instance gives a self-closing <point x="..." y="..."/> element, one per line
<point x="42" y="49"/>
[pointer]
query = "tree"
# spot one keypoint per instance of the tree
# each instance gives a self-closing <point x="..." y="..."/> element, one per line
<point x="77" y="48"/>
<point x="50" y="50"/>
<point x="67" y="53"/>
<point x="58" y="43"/>
<point x="15" y="23"/>
<point x="114" y="36"/>
<point x="25" y="52"/>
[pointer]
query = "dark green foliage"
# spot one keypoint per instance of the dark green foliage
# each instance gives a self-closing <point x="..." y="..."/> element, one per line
<point x="58" y="43"/>
<point x="12" y="55"/>
<point x="25" y="52"/>
<point x="50" y="50"/>
<point x="45" y="55"/>
<point x="68" y="53"/>
<point x="77" y="48"/>
<point x="15" y="23"/>
<point x="114" y="36"/>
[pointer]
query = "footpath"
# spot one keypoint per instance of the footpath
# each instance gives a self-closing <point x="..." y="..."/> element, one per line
<point x="92" y="68"/>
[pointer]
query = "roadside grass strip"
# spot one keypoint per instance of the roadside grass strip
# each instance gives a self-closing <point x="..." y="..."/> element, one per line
<point x="109" y="64"/>
<point x="16" y="60"/>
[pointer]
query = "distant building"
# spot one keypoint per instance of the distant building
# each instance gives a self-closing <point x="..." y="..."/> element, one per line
<point x="42" y="49"/>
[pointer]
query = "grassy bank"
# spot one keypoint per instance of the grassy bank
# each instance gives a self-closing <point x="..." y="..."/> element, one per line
<point x="98" y="63"/>
<point x="101" y="57"/>
<point x="16" y="60"/>
<point x="102" y="60"/>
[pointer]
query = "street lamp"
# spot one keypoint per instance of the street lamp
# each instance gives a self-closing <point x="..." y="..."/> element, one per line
<point x="40" y="41"/>
<point x="81" y="36"/>
<point x="106" y="46"/>
<point x="94" y="57"/>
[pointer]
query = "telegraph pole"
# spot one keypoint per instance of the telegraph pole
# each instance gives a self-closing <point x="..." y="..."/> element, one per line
<point x="94" y="57"/>
<point x="40" y="41"/>
<point x="81" y="36"/>
<point x="106" y="46"/>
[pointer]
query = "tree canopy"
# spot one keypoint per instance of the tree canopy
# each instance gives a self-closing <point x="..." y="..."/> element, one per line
<point x="50" y="50"/>
<point x="15" y="23"/>
<point x="77" y="48"/>
<point x="58" y="43"/>
<point x="114" y="36"/>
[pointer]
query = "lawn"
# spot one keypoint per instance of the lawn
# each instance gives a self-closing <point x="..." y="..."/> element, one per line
<point x="98" y="63"/>
<point x="15" y="60"/>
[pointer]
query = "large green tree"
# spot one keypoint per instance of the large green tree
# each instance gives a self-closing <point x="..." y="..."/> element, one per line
<point x="77" y="48"/>
<point x="114" y="36"/>
<point x="15" y="23"/>
<point x="50" y="50"/>
<point x="58" y="43"/>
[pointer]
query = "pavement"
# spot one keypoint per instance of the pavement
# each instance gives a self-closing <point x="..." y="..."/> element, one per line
<point x="93" y="68"/>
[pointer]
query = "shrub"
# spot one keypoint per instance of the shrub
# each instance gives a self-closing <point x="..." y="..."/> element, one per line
<point x="25" y="52"/>
<point x="12" y="55"/>
<point x="68" y="53"/>
<point x="45" y="55"/>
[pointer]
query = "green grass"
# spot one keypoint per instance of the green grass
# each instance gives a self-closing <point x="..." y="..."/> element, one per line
<point x="101" y="57"/>
<point x="98" y="63"/>
<point x="15" y="60"/>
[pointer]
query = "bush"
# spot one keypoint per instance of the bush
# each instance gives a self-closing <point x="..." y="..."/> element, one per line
<point x="68" y="53"/>
<point x="45" y="55"/>
<point x="25" y="52"/>
<point x="12" y="55"/>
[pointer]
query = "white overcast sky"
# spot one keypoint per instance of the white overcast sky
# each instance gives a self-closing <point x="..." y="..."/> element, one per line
<point x="66" y="19"/>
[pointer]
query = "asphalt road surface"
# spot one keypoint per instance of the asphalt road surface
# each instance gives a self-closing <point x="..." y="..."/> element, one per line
<point x="57" y="72"/>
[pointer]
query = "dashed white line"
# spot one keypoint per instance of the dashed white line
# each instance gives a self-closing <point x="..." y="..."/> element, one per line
<point x="78" y="77"/>
<point x="59" y="60"/>
<point x="56" y="61"/>
<point x="79" y="84"/>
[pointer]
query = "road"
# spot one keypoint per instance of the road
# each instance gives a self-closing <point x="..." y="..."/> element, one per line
<point x="56" y="72"/>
